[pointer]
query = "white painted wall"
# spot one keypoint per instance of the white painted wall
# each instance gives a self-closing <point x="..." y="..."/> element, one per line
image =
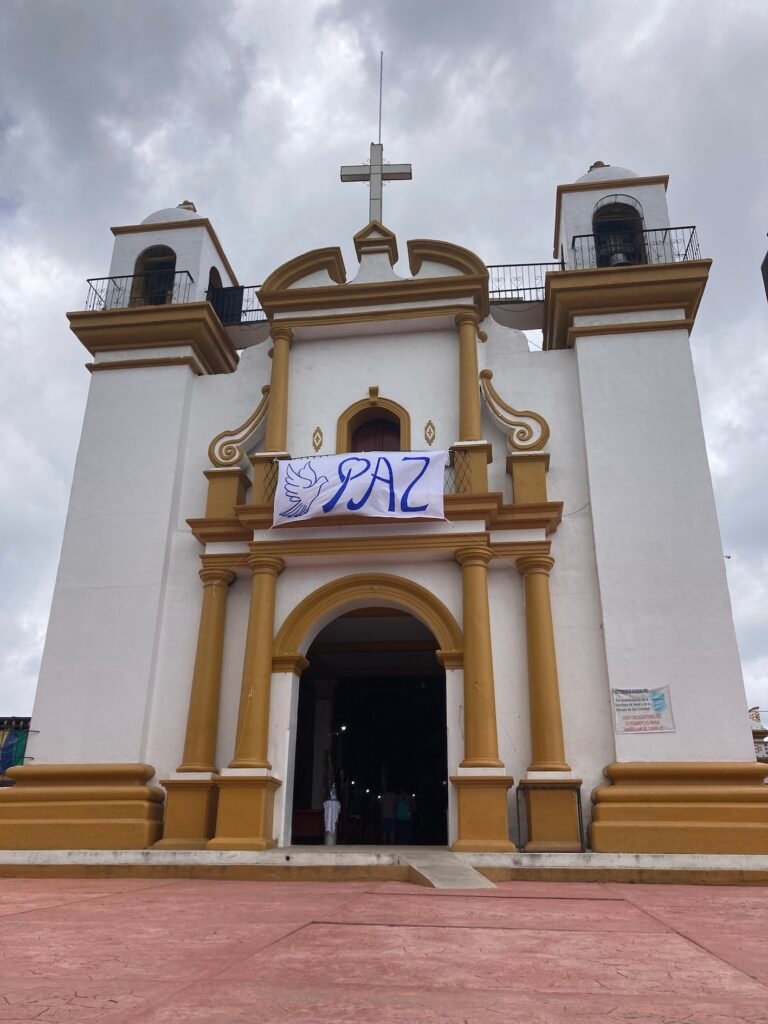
<point x="665" y="604"/>
<point x="98" y="669"/>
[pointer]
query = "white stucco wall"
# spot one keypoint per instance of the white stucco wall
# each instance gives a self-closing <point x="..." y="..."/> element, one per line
<point x="665" y="604"/>
<point x="98" y="669"/>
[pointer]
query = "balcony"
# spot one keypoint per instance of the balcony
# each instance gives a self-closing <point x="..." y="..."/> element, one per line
<point x="633" y="248"/>
<point x="518" y="282"/>
<point x="154" y="288"/>
<point x="233" y="306"/>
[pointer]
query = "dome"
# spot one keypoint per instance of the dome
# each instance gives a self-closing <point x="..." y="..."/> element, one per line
<point x="605" y="172"/>
<point x="184" y="211"/>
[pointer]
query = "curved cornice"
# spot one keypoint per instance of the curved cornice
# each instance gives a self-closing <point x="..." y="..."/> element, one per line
<point x="433" y="251"/>
<point x="311" y="262"/>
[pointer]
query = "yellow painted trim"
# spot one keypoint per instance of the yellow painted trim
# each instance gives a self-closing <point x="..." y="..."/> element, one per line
<point x="226" y="449"/>
<point x="174" y="225"/>
<point x="140" y="327"/>
<point x="224" y="528"/>
<point x="375" y="316"/>
<point x="329" y="259"/>
<point x="582" y="330"/>
<point x="682" y="807"/>
<point x="373" y="544"/>
<point x="140" y="364"/>
<point x="354" y="416"/>
<point x="80" y="806"/>
<point x="375" y="588"/>
<point x="570" y="293"/>
<point x="399" y="292"/>
<point x="295" y="663"/>
<point x="604" y="186"/>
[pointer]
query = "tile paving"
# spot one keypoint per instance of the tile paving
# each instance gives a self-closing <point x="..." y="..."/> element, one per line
<point x="142" y="951"/>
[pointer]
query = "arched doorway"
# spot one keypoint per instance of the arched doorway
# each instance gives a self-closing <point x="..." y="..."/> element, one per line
<point x="372" y="722"/>
<point x="154" y="276"/>
<point x="617" y="223"/>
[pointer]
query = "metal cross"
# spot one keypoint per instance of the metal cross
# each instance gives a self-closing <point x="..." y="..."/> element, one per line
<point x="377" y="172"/>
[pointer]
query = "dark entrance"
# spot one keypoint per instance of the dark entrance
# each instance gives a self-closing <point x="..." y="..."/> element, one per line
<point x="372" y="722"/>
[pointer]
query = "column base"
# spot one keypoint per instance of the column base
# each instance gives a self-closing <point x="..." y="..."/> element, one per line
<point x="483" y="817"/>
<point x="682" y="807"/>
<point x="190" y="813"/>
<point x="80" y="807"/>
<point x="552" y="807"/>
<point x="244" y="818"/>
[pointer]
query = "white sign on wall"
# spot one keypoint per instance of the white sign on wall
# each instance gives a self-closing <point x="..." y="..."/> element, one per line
<point x="638" y="711"/>
<point x="397" y="485"/>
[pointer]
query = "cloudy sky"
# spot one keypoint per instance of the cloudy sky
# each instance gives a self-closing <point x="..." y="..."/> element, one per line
<point x="110" y="110"/>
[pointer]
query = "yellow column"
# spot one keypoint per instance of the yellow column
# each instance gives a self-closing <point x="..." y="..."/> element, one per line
<point x="203" y="713"/>
<point x="252" y="738"/>
<point x="190" y="804"/>
<point x="481" y="796"/>
<point x="551" y="793"/>
<point x="481" y="747"/>
<point x="470" y="414"/>
<point x="470" y="419"/>
<point x="547" y="746"/>
<point x="277" y="410"/>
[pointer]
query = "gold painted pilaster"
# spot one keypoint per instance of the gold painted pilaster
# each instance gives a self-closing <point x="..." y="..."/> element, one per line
<point x="470" y="418"/>
<point x="481" y="746"/>
<point x="277" y="411"/>
<point x="203" y="714"/>
<point x="252" y="740"/>
<point x="547" y="746"/>
<point x="553" y="822"/>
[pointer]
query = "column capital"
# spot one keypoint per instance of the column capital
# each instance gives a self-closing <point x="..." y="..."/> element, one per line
<point x="530" y="564"/>
<point x="466" y="316"/>
<point x="213" y="576"/>
<point x="263" y="563"/>
<point x="279" y="332"/>
<point x="473" y="555"/>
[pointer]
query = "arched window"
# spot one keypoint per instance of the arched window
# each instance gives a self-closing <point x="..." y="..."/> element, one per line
<point x="214" y="281"/>
<point x="375" y="424"/>
<point x="154" y="277"/>
<point x="379" y="433"/>
<point x="617" y="224"/>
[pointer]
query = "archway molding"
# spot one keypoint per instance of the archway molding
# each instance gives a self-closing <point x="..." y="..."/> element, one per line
<point x="362" y="590"/>
<point x="369" y="408"/>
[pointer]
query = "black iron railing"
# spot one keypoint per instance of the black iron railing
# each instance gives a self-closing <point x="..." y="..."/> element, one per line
<point x="154" y="288"/>
<point x="238" y="305"/>
<point x="630" y="248"/>
<point x="519" y="282"/>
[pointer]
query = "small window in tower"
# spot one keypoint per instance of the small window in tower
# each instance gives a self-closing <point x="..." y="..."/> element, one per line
<point x="617" y="224"/>
<point x="154" y="276"/>
<point x="379" y="434"/>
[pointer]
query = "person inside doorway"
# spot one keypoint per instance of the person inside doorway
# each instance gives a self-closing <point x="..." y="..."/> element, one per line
<point x="404" y="818"/>
<point x="389" y="801"/>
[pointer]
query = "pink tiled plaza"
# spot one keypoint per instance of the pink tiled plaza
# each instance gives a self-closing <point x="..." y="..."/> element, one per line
<point x="163" y="951"/>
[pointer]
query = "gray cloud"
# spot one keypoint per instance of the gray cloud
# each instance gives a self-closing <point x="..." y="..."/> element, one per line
<point x="109" y="111"/>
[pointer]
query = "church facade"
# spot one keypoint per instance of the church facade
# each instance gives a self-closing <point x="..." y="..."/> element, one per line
<point x="552" y="664"/>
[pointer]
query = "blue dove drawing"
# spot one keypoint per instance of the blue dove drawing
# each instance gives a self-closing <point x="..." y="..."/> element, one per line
<point x="302" y="490"/>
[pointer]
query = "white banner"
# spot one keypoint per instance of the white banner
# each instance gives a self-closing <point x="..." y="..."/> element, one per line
<point x="397" y="485"/>
<point x="637" y="711"/>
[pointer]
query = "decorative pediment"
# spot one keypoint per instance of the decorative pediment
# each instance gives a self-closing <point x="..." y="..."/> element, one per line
<point x="374" y="237"/>
<point x="444" y="254"/>
<point x="307" y="266"/>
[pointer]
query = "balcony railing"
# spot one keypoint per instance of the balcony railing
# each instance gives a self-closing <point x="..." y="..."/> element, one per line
<point x="519" y="282"/>
<point x="154" y="288"/>
<point x="630" y="248"/>
<point x="238" y="305"/>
